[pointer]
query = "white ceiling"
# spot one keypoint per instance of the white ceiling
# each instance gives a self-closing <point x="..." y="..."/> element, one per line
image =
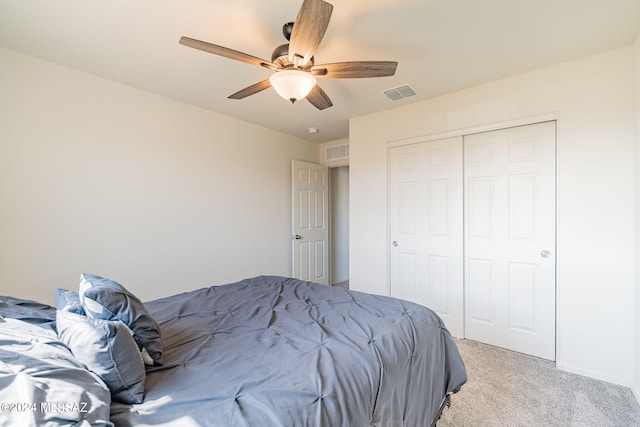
<point x="441" y="46"/>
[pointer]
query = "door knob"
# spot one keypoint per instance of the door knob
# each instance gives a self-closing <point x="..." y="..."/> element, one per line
<point x="395" y="243"/>
<point x="545" y="254"/>
<point x="297" y="237"/>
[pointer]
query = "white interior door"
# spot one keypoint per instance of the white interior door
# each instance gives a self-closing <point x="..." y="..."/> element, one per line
<point x="310" y="225"/>
<point x="426" y="225"/>
<point x="510" y="238"/>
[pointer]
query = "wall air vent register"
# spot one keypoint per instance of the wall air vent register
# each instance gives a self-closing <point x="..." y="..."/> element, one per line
<point x="336" y="152"/>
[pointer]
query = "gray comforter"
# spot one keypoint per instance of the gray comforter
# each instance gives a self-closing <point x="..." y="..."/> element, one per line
<point x="266" y="351"/>
<point x="274" y="351"/>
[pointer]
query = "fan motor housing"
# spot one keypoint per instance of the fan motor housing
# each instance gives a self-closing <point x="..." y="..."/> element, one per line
<point x="280" y="57"/>
<point x="279" y="52"/>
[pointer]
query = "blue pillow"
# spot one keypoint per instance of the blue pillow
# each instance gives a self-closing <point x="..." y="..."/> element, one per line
<point x="105" y="299"/>
<point x="68" y="301"/>
<point x="108" y="350"/>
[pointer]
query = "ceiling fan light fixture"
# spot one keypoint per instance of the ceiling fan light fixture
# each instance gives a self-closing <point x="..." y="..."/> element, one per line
<point x="293" y="63"/>
<point x="292" y="84"/>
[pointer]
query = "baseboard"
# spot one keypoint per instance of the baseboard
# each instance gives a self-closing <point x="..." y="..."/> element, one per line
<point x="635" y="388"/>
<point x="596" y="376"/>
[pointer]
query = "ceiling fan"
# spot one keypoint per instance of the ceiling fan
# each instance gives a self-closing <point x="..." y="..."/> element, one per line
<point x="295" y="73"/>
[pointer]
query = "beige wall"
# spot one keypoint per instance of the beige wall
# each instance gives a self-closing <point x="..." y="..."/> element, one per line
<point x="161" y="196"/>
<point x="592" y="99"/>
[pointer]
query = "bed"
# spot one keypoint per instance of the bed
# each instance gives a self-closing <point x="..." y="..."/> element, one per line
<point x="265" y="351"/>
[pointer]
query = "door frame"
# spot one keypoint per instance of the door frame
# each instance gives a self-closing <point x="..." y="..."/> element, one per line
<point x="331" y="218"/>
<point x="330" y="242"/>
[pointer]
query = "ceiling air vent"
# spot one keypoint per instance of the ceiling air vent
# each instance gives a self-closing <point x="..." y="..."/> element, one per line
<point x="336" y="152"/>
<point x="399" y="92"/>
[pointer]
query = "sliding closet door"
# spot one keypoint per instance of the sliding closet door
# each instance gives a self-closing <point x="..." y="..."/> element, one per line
<point x="510" y="238"/>
<point x="425" y="199"/>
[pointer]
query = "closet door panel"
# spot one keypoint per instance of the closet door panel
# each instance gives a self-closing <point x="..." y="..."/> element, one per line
<point x="510" y="225"/>
<point x="425" y="200"/>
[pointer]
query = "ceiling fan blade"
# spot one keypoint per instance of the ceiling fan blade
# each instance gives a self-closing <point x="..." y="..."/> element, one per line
<point x="226" y="52"/>
<point x="318" y="98"/>
<point x="253" y="89"/>
<point x="308" y="29"/>
<point x="355" y="70"/>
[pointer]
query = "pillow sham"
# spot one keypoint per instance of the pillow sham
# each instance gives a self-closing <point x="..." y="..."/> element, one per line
<point x="107" y="349"/>
<point x="105" y="299"/>
<point x="68" y="301"/>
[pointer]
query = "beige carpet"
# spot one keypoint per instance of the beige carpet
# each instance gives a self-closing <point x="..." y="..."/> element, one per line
<point x="511" y="389"/>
